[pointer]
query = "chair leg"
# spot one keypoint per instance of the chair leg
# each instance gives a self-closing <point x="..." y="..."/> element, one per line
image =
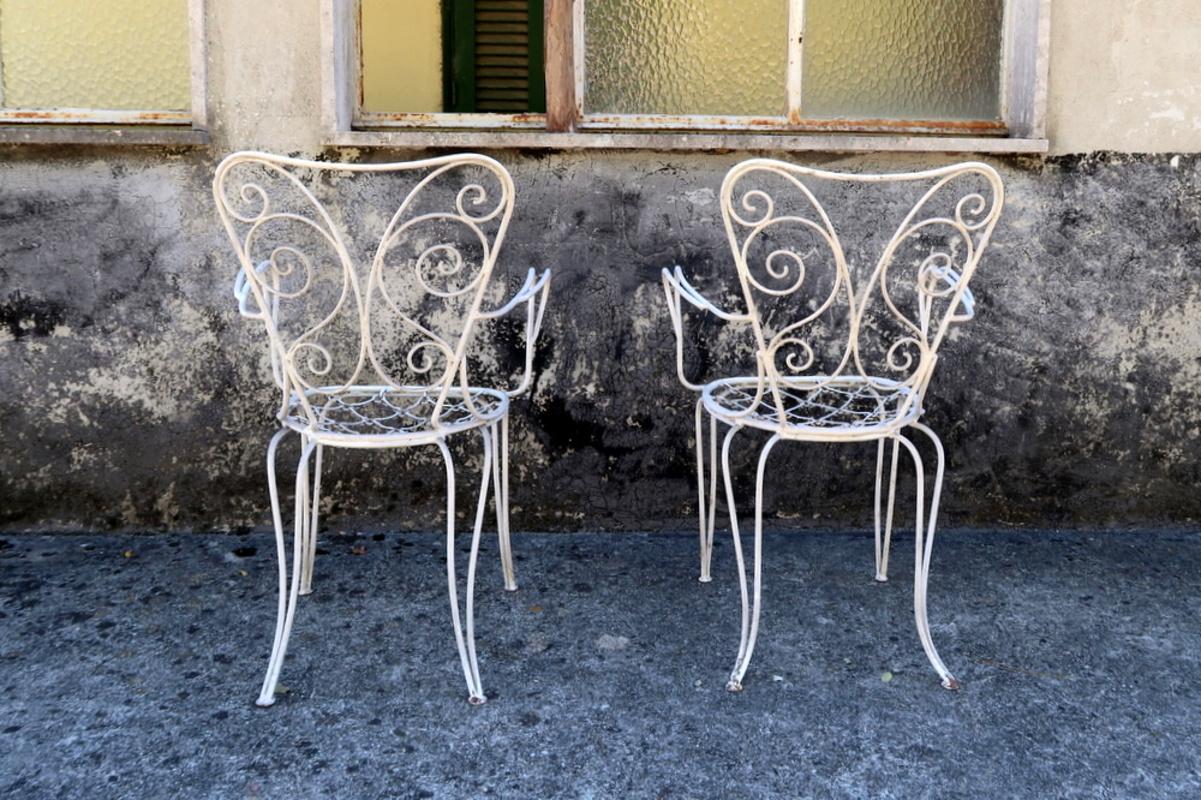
<point x="884" y="544"/>
<point x="500" y="493"/>
<point x="712" y="488"/>
<point x="312" y="510"/>
<point x="738" y="560"/>
<point x="751" y="611"/>
<point x="466" y="643"/>
<point x="288" y="590"/>
<point x="923" y="549"/>
<point x="705" y="510"/>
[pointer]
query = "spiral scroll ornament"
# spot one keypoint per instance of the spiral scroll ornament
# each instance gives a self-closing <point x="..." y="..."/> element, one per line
<point x="296" y="265"/>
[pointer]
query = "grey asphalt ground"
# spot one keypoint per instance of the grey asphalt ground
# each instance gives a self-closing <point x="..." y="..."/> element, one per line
<point x="129" y="666"/>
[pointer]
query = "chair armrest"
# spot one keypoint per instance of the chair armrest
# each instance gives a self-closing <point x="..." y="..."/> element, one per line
<point x="534" y="293"/>
<point x="246" y="298"/>
<point x="675" y="282"/>
<point x="243" y="294"/>
<point x="967" y="301"/>
<point x="677" y="288"/>
<point x="534" y="283"/>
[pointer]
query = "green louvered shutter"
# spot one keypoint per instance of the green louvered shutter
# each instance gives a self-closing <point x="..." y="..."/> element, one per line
<point x="494" y="51"/>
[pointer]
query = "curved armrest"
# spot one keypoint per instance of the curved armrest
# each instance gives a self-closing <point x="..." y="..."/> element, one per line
<point x="534" y="283"/>
<point x="246" y="298"/>
<point x="534" y="293"/>
<point x="677" y="288"/>
<point x="967" y="300"/>
<point x="675" y="282"/>
<point x="243" y="295"/>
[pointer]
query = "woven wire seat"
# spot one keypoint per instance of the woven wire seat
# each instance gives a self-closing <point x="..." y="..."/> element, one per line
<point x="814" y="406"/>
<point x="359" y="413"/>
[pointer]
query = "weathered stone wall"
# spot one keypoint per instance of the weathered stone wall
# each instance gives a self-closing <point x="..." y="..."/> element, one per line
<point x="133" y="396"/>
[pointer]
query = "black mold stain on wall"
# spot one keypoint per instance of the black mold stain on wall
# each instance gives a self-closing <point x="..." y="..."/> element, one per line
<point x="132" y="395"/>
<point x="26" y="316"/>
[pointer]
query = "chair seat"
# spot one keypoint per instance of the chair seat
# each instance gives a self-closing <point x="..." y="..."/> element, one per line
<point x="815" y="407"/>
<point x="381" y="416"/>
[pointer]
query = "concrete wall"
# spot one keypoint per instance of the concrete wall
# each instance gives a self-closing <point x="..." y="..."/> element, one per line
<point x="1124" y="76"/>
<point x="131" y="394"/>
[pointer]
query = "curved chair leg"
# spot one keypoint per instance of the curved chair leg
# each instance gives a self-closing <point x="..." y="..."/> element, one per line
<point x="738" y="560"/>
<point x="712" y="488"/>
<point x="312" y="510"/>
<point x="466" y="643"/>
<point x="288" y="591"/>
<point x="883" y="544"/>
<point x="922" y="551"/>
<point x="705" y="510"/>
<point x="500" y="493"/>
<point x="303" y="520"/>
<point x="750" y="616"/>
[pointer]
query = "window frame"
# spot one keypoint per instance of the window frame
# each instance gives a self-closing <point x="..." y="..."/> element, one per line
<point x="566" y="124"/>
<point x="195" y="118"/>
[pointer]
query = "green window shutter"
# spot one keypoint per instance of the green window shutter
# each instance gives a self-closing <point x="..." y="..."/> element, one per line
<point x="493" y="53"/>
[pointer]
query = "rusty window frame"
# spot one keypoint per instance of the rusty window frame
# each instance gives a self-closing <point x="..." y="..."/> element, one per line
<point x="195" y="117"/>
<point x="1024" y="57"/>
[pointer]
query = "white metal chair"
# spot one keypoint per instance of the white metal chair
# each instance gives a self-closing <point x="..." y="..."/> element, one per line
<point x="385" y="365"/>
<point x="844" y="347"/>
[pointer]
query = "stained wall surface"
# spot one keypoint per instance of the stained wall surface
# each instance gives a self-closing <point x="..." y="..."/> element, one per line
<point x="132" y="395"/>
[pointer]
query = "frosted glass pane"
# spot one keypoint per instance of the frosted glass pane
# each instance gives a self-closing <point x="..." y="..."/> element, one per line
<point x="402" y="55"/>
<point x="105" y="54"/>
<point x="900" y="59"/>
<point x="686" y="57"/>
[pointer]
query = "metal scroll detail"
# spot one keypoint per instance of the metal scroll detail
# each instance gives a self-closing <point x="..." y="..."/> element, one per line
<point x="824" y="322"/>
<point x="405" y="327"/>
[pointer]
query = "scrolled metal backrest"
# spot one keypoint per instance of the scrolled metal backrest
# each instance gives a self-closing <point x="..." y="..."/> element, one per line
<point x="408" y="324"/>
<point x="823" y="317"/>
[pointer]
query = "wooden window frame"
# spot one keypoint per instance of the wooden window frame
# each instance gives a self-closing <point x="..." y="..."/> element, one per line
<point x="566" y="124"/>
<point x="196" y="118"/>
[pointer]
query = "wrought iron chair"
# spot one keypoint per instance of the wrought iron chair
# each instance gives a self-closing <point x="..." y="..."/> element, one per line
<point x="385" y="365"/>
<point x="844" y="348"/>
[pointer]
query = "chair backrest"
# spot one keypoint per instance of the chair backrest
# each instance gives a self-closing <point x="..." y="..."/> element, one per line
<point x="870" y="301"/>
<point x="427" y="261"/>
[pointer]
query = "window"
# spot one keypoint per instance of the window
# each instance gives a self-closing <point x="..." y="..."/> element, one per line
<point x="451" y="56"/>
<point x="940" y="67"/>
<point x="844" y="64"/>
<point x="117" y="62"/>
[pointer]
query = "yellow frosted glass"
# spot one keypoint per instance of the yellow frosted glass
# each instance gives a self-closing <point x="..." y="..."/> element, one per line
<point x="901" y="59"/>
<point x="102" y="54"/>
<point x="402" y="55"/>
<point x="686" y="57"/>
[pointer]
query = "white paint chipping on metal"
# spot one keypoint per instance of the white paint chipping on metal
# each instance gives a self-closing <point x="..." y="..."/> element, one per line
<point x="386" y="412"/>
<point x="792" y="395"/>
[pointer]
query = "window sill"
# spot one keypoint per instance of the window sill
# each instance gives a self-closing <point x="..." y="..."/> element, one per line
<point x="591" y="140"/>
<point x="97" y="135"/>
